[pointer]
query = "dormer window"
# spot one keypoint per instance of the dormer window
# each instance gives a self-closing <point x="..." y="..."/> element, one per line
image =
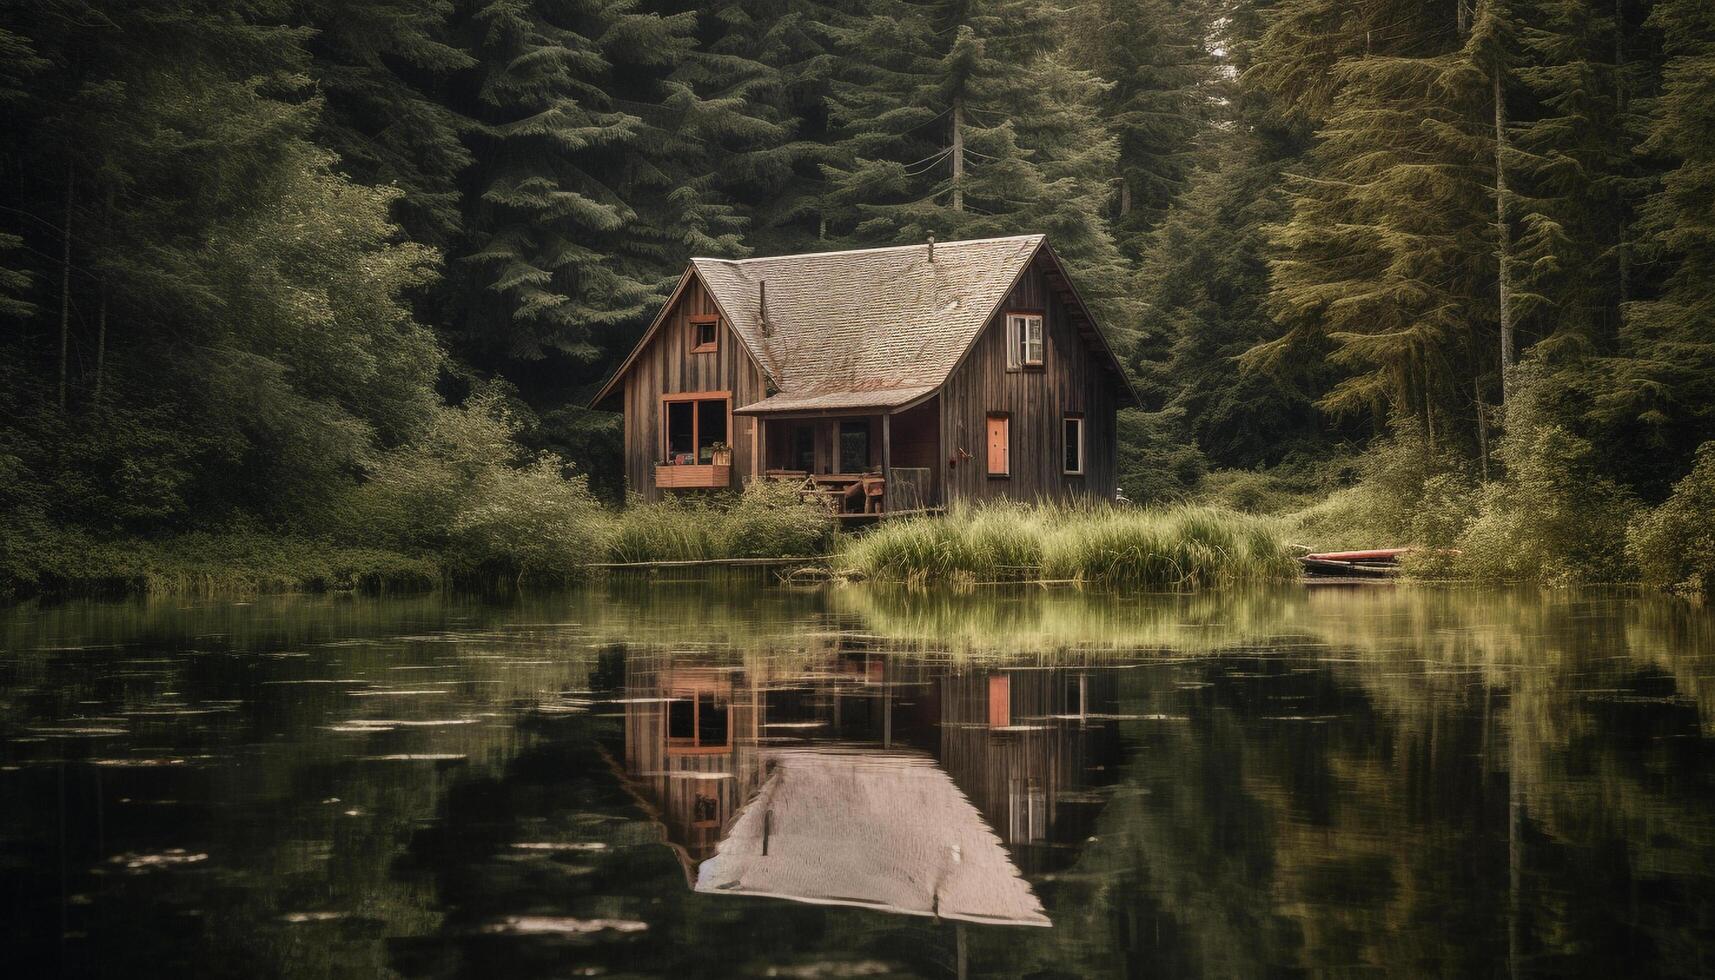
<point x="705" y="334"/>
<point x="1024" y="340"/>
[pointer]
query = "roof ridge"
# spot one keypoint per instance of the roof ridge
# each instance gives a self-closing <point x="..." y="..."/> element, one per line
<point x="876" y="248"/>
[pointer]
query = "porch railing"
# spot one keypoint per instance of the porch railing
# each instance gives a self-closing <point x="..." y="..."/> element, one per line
<point x="909" y="489"/>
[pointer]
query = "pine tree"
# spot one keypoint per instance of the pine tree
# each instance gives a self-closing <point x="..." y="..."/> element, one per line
<point x="966" y="121"/>
<point x="1390" y="253"/>
<point x="772" y="62"/>
<point x="1666" y="379"/>
<point x="1162" y="90"/>
<point x="584" y="209"/>
<point x="383" y="68"/>
<point x="18" y="60"/>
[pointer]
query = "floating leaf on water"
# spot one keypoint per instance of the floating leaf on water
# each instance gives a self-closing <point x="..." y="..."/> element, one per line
<point x="547" y="925"/>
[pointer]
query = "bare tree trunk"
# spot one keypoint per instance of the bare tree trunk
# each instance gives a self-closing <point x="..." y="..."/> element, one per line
<point x="1620" y="222"/>
<point x="1428" y="405"/>
<point x="1482" y="429"/>
<point x="101" y="317"/>
<point x="958" y="153"/>
<point x="1503" y="237"/>
<point x="65" y="290"/>
<point x="100" y="343"/>
<point x="1125" y="197"/>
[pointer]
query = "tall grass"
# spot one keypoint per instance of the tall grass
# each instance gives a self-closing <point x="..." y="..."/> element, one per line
<point x="1100" y="545"/>
<point x="767" y="520"/>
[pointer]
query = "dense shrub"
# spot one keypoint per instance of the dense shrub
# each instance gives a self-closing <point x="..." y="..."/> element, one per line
<point x="1673" y="544"/>
<point x="1556" y="516"/>
<point x="462" y="493"/>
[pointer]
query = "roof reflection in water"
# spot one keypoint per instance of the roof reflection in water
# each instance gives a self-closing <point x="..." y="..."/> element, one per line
<point x="907" y="787"/>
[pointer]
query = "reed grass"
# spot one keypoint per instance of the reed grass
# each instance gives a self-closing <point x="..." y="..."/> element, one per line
<point x="1177" y="548"/>
<point x="767" y="520"/>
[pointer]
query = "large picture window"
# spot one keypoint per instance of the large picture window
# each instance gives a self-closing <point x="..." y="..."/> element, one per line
<point x="692" y="426"/>
<point x="1024" y="340"/>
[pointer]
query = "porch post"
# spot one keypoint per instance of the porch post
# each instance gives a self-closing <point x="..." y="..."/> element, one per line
<point x="887" y="497"/>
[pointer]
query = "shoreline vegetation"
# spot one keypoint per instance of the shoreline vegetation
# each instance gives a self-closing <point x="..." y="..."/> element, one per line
<point x="466" y="507"/>
<point x="501" y="527"/>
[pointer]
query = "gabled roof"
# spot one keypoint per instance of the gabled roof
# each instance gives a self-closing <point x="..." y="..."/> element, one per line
<point x="876" y="829"/>
<point x="874" y="328"/>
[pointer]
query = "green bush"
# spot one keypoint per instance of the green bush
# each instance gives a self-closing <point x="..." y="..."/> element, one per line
<point x="463" y="494"/>
<point x="1673" y="544"/>
<point x="1555" y="517"/>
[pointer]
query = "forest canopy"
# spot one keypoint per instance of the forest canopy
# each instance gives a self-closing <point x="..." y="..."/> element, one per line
<point x="253" y="251"/>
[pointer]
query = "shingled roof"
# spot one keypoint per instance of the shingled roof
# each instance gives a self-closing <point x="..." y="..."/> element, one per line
<point x="873" y="328"/>
<point x="875" y="829"/>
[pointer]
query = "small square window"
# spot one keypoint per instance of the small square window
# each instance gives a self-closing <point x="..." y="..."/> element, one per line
<point x="1023" y="340"/>
<point x="705" y="335"/>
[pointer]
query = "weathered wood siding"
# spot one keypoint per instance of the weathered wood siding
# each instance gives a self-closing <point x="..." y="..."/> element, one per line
<point x="666" y="366"/>
<point x="1073" y="379"/>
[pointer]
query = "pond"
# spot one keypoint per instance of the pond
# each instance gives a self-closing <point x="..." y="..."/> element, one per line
<point x="727" y="778"/>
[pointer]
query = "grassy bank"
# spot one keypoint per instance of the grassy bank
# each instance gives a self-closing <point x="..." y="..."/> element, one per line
<point x="202" y="564"/>
<point x="514" y="539"/>
<point x="1103" y="546"/>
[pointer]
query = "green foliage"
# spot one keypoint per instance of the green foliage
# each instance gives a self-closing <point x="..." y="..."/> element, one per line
<point x="1100" y="545"/>
<point x="37" y="558"/>
<point x="246" y="249"/>
<point x="1157" y="464"/>
<point x="462" y="493"/>
<point x="1673" y="543"/>
<point x="983" y="78"/>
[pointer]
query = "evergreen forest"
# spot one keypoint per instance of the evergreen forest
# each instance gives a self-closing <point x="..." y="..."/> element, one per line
<point x="333" y="280"/>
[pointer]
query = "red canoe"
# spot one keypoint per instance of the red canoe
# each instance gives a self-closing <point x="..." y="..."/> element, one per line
<point x="1377" y="554"/>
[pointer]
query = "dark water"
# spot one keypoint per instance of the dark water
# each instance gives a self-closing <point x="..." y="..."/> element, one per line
<point x="730" y="780"/>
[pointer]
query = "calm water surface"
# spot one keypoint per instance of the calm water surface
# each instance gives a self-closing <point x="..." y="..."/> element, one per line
<point x="728" y="779"/>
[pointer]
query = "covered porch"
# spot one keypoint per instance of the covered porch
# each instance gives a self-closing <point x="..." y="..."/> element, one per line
<point x="860" y="464"/>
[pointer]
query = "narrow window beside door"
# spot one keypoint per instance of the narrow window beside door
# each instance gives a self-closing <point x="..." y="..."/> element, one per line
<point x="1072" y="441"/>
<point x="1000" y="445"/>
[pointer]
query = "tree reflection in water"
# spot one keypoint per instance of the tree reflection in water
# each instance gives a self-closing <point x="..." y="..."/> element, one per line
<point x="1416" y="780"/>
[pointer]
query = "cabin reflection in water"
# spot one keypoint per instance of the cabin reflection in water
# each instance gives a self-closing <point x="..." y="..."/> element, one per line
<point x="856" y="779"/>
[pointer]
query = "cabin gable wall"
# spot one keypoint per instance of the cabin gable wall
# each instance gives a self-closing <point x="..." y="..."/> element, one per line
<point x="667" y="365"/>
<point x="1073" y="379"/>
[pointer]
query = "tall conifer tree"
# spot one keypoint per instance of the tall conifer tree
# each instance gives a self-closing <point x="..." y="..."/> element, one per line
<point x="1666" y="379"/>
<point x="965" y="121"/>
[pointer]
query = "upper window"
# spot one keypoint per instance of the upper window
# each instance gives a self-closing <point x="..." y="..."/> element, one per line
<point x="1072" y="447"/>
<point x="705" y="334"/>
<point x="1023" y="340"/>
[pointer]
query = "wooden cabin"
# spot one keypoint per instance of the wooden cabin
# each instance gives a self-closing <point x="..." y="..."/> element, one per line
<point x="889" y="379"/>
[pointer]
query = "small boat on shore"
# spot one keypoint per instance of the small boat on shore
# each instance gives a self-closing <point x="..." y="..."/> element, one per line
<point x="1373" y="563"/>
